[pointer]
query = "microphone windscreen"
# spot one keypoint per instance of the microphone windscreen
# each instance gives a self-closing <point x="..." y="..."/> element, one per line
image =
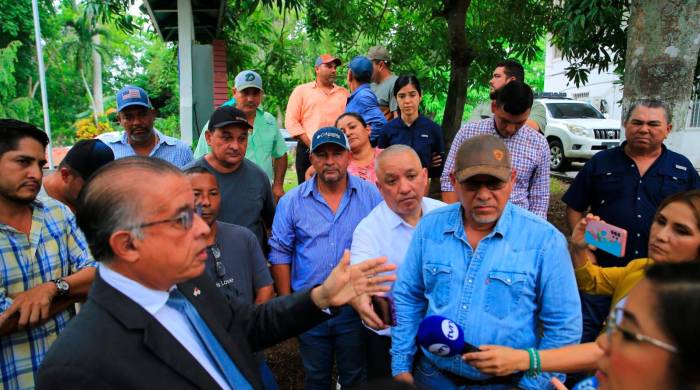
<point x="590" y="383"/>
<point x="440" y="336"/>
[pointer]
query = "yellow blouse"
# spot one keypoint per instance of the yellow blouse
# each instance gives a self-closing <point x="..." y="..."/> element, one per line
<point x="615" y="281"/>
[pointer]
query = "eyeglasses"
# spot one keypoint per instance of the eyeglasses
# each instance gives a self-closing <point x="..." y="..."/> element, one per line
<point x="613" y="325"/>
<point x="183" y="220"/>
<point x="492" y="184"/>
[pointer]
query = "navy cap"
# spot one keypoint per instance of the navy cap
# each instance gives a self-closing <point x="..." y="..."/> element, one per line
<point x="329" y="135"/>
<point x="228" y="115"/>
<point x="87" y="156"/>
<point x="132" y="96"/>
<point x="361" y="66"/>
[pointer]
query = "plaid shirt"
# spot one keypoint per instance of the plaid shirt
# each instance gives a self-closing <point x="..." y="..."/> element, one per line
<point x="55" y="248"/>
<point x="530" y="155"/>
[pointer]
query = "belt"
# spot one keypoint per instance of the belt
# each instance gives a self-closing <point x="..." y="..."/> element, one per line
<point x="496" y="380"/>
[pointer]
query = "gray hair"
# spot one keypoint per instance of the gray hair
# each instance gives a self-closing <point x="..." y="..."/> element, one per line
<point x="649" y="103"/>
<point x="110" y="201"/>
<point x="391" y="151"/>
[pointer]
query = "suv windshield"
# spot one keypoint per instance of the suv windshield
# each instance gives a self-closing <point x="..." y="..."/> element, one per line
<point x="573" y="110"/>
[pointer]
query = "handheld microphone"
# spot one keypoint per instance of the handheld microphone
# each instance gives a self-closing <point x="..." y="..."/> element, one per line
<point x="590" y="383"/>
<point x="443" y="337"/>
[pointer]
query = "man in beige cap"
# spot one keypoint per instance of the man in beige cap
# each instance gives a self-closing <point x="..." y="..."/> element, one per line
<point x="493" y="268"/>
<point x="383" y="81"/>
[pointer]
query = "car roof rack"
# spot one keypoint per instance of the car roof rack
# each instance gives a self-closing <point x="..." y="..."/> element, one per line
<point x="551" y="95"/>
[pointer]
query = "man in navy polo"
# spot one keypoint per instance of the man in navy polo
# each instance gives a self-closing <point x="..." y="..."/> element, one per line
<point x="362" y="100"/>
<point x="314" y="222"/>
<point x="624" y="186"/>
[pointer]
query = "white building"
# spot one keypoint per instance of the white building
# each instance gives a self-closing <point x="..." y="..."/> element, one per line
<point x="604" y="91"/>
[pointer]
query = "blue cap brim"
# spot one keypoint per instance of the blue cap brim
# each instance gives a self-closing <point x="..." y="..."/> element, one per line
<point x="142" y="104"/>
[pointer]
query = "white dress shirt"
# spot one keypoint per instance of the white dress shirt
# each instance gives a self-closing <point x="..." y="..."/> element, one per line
<point x="153" y="301"/>
<point x="384" y="233"/>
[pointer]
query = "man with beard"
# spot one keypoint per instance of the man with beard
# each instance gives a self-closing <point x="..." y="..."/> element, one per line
<point x="312" y="106"/>
<point x="45" y="265"/>
<point x="314" y="223"/>
<point x="140" y="138"/>
<point x="387" y="231"/>
<point x="499" y="272"/>
<point x="245" y="188"/>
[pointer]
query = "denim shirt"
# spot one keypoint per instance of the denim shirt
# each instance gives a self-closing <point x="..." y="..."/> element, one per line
<point x="516" y="289"/>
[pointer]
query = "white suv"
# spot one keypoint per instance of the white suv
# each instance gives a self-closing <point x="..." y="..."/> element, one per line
<point x="576" y="131"/>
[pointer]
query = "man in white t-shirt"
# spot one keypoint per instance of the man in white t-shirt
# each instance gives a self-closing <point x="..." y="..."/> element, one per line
<point x="387" y="231"/>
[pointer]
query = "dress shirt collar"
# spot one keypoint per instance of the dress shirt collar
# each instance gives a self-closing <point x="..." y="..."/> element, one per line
<point x="394" y="220"/>
<point x="358" y="89"/>
<point x="149" y="299"/>
<point x="311" y="188"/>
<point x="162" y="138"/>
<point x="498" y="134"/>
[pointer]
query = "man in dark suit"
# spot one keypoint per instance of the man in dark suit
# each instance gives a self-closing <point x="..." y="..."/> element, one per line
<point x="151" y="320"/>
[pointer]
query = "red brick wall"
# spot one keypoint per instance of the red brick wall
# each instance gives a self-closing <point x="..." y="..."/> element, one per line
<point x="221" y="92"/>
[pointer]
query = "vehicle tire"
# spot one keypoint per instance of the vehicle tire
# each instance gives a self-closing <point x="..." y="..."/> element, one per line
<point x="557" y="160"/>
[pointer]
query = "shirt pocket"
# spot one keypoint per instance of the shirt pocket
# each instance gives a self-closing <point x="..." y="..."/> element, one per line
<point x="608" y="185"/>
<point x="673" y="181"/>
<point x="503" y="292"/>
<point x="437" y="283"/>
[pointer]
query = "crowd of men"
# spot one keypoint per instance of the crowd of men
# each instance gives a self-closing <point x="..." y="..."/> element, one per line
<point x="191" y="267"/>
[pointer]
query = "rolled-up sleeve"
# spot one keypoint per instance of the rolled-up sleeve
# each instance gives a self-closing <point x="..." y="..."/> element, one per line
<point x="293" y="116"/>
<point x="80" y="256"/>
<point x="538" y="193"/>
<point x="282" y="239"/>
<point x="445" y="184"/>
<point x="410" y="306"/>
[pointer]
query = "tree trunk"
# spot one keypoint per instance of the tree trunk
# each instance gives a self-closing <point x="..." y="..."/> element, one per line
<point x="87" y="89"/>
<point x="663" y="40"/>
<point x="461" y="57"/>
<point x="97" y="79"/>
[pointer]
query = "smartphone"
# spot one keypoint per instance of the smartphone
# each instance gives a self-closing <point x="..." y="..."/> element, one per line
<point x="384" y="308"/>
<point x="606" y="237"/>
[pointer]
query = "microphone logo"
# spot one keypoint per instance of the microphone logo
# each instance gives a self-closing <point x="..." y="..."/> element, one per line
<point x="439" y="349"/>
<point x="449" y="329"/>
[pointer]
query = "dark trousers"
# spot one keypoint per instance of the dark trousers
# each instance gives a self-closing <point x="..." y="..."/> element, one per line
<point x="595" y="310"/>
<point x="302" y="162"/>
<point x="378" y="357"/>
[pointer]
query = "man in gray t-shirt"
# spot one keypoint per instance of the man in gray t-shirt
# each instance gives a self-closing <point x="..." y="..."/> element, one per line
<point x="383" y="81"/>
<point x="246" y="195"/>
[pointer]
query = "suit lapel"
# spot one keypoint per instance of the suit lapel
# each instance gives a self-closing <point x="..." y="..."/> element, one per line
<point x="204" y="296"/>
<point x="155" y="337"/>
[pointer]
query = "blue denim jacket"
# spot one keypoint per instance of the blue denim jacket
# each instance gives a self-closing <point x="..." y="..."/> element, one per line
<point x="516" y="289"/>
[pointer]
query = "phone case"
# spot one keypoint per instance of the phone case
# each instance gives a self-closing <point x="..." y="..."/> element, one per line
<point x="606" y="237"/>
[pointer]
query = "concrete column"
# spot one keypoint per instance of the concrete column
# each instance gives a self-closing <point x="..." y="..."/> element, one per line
<point x="185" y="32"/>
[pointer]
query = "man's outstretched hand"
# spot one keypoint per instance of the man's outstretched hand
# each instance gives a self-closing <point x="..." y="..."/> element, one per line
<point x="349" y="281"/>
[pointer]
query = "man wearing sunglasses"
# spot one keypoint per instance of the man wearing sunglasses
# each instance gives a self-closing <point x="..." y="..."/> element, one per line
<point x="153" y="320"/>
<point x="498" y="271"/>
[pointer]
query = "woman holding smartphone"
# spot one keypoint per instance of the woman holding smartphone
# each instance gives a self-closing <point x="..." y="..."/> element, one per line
<point x="674" y="238"/>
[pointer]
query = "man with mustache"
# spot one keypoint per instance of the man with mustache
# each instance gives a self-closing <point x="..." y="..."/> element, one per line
<point x="624" y="186"/>
<point x="501" y="273"/>
<point x="245" y="188"/>
<point x="140" y="138"/>
<point x="266" y="146"/>
<point x="387" y="231"/>
<point x="314" y="224"/>
<point x="314" y="105"/>
<point x="45" y="265"/>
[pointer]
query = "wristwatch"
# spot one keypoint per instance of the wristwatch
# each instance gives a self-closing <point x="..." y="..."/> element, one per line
<point x="62" y="286"/>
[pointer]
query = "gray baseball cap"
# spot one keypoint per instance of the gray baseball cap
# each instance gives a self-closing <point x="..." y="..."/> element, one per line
<point x="378" y="53"/>
<point x="248" y="79"/>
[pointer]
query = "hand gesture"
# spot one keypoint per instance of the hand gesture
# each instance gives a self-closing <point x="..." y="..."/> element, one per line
<point x="498" y="360"/>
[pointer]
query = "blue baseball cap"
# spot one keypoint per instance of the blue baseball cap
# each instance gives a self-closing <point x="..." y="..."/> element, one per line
<point x="329" y="135"/>
<point x="132" y="96"/>
<point x="361" y="66"/>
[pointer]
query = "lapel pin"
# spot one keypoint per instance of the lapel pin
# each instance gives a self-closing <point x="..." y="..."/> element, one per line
<point x="196" y="292"/>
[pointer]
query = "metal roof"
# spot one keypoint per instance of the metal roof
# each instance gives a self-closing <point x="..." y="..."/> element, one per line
<point x="207" y="17"/>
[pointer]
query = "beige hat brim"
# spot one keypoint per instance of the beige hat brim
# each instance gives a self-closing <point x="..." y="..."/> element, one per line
<point x="501" y="173"/>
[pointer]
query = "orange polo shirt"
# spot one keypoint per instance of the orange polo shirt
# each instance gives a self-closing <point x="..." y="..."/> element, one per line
<point x="310" y="108"/>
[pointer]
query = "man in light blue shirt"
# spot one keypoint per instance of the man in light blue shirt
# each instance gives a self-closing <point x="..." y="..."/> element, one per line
<point x="313" y="226"/>
<point x="500" y="272"/>
<point x="362" y="100"/>
<point x="140" y="138"/>
<point x="387" y="231"/>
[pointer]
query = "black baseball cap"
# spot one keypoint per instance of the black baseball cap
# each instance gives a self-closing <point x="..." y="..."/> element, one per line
<point x="228" y="115"/>
<point x="87" y="156"/>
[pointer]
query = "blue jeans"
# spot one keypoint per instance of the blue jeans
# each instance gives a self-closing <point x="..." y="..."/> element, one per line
<point x="427" y="377"/>
<point x="342" y="335"/>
